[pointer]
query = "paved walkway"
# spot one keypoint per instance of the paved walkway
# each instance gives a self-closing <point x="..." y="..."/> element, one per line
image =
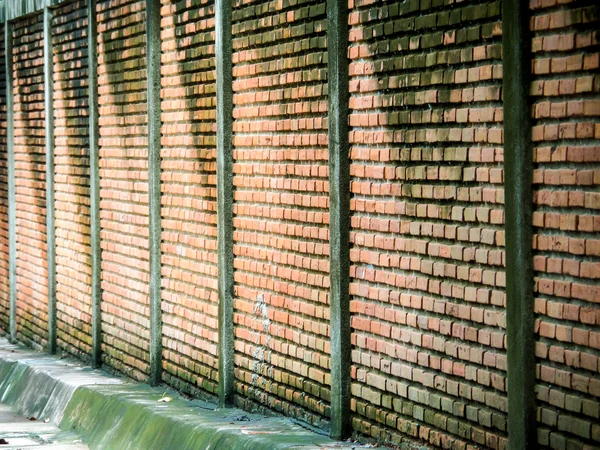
<point x="19" y="432"/>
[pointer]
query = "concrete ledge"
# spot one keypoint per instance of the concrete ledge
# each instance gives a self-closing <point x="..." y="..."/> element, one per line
<point x="112" y="413"/>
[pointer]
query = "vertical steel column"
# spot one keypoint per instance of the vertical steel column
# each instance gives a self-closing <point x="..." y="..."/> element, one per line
<point x="92" y="47"/>
<point x="50" y="230"/>
<point x="518" y="176"/>
<point x="153" y="58"/>
<point x="10" y="149"/>
<point x="225" y="198"/>
<point x="339" y="215"/>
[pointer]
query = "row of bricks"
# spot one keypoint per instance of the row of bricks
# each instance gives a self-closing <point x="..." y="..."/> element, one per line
<point x="262" y="375"/>
<point x="310" y="361"/>
<point x="572" y="63"/>
<point x="422" y="154"/>
<point x="570" y="358"/>
<point x="583" y="177"/>
<point x="553" y="20"/>
<point x="572" y="403"/>
<point x="413" y="8"/>
<point x="567" y="266"/>
<point x="445" y="231"/>
<point x="568" y="379"/>
<point x="256" y="46"/>
<point x="481" y="135"/>
<point x="568" y="333"/>
<point x="312" y="75"/>
<point x="252" y="212"/>
<point x="431" y="116"/>
<point x="250" y="282"/>
<point x="461" y="292"/>
<point x="568" y="289"/>
<point x="316" y="57"/>
<point x="417" y="403"/>
<point x="266" y="96"/>
<point x="423" y="172"/>
<point x="443" y="327"/>
<point x="425" y="96"/>
<point x="566" y="244"/>
<point x="441" y="359"/>
<point x="479" y="214"/>
<point x="408" y="418"/>
<point x="388" y="62"/>
<point x="433" y="286"/>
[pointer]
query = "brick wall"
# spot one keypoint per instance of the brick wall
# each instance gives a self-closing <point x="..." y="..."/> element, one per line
<point x="30" y="175"/>
<point x="123" y="185"/>
<point x="566" y="93"/>
<point x="427" y="282"/>
<point x="281" y="207"/>
<point x="189" y="247"/>
<point x="427" y="217"/>
<point x="71" y="182"/>
<point x="4" y="288"/>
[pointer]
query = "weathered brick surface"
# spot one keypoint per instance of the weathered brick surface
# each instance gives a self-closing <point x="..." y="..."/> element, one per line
<point x="189" y="259"/>
<point x="281" y="207"/>
<point x="30" y="176"/>
<point x="565" y="90"/>
<point x="427" y="216"/>
<point x="427" y="238"/>
<point x="124" y="185"/>
<point x="71" y="181"/>
<point x="4" y="294"/>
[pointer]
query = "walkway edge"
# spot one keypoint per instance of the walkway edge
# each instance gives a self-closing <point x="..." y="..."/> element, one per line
<point x="110" y="412"/>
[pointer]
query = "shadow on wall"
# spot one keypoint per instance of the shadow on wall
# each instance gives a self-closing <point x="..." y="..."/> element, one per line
<point x="124" y="186"/>
<point x="189" y="245"/>
<point x="4" y="281"/>
<point x="30" y="173"/>
<point x="427" y="256"/>
<point x="72" y="180"/>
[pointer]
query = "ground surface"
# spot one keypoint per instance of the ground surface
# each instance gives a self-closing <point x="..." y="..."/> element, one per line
<point x="111" y="413"/>
<point x="18" y="432"/>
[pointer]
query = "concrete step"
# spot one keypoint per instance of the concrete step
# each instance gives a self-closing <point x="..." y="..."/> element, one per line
<point x="108" y="412"/>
